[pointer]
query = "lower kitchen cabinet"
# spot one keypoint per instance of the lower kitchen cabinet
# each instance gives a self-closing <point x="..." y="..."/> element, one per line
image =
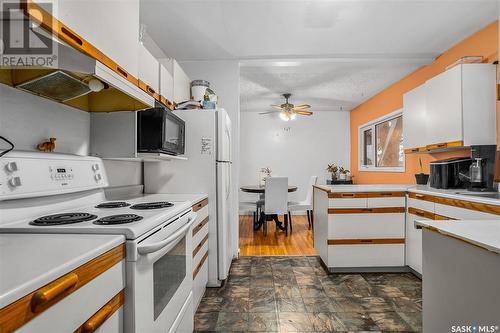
<point x="200" y="251"/>
<point x="88" y="299"/>
<point x="360" y="231"/>
<point x="431" y="207"/>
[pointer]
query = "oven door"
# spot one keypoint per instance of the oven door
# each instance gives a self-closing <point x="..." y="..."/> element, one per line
<point x="161" y="277"/>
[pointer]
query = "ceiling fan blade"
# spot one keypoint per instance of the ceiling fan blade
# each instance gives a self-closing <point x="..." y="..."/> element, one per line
<point x="304" y="113"/>
<point x="276" y="106"/>
<point x="302" y="106"/>
<point x="269" y="112"/>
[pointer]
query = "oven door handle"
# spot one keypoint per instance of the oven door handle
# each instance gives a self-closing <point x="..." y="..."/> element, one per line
<point x="150" y="248"/>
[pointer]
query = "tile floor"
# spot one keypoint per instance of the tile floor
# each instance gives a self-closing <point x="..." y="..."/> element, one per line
<point x="295" y="294"/>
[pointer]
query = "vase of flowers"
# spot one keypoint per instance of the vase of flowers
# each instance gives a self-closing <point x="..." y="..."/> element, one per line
<point x="343" y="173"/>
<point x="264" y="173"/>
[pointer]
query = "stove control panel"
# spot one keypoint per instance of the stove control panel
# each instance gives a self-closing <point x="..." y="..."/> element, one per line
<point x="33" y="174"/>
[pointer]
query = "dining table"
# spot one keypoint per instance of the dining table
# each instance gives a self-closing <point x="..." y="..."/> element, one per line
<point x="261" y="189"/>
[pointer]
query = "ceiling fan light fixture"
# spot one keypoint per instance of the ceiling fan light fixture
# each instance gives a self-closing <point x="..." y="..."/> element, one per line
<point x="292" y="116"/>
<point x="284" y="116"/>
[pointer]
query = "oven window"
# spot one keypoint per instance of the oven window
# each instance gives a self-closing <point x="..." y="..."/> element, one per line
<point x="168" y="273"/>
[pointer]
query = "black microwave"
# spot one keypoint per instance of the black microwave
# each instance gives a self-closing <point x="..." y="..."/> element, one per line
<point x="160" y="131"/>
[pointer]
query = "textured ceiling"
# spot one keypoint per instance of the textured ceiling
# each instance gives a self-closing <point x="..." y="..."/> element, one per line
<point x="330" y="54"/>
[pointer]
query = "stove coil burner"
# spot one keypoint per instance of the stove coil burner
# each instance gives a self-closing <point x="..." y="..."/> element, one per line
<point x="153" y="205"/>
<point x="65" y="218"/>
<point x="118" y="219"/>
<point x="114" y="204"/>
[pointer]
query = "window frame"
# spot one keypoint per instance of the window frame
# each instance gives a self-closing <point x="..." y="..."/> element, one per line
<point x="371" y="125"/>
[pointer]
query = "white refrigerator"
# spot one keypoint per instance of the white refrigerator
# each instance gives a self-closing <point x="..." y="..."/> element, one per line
<point x="206" y="170"/>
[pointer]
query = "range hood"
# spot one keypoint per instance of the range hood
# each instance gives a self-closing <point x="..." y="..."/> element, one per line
<point x="78" y="81"/>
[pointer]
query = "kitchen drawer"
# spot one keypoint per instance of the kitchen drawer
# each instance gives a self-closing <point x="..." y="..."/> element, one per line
<point x="200" y="284"/>
<point x="197" y="207"/>
<point x="390" y="201"/>
<point x="201" y="214"/>
<point x="390" y="225"/>
<point x="372" y="255"/>
<point x="347" y="203"/>
<point x="200" y="231"/>
<point x="113" y="324"/>
<point x="74" y="309"/>
<point x="199" y="252"/>
<point x="417" y="201"/>
<point x="463" y="213"/>
<point x="184" y="323"/>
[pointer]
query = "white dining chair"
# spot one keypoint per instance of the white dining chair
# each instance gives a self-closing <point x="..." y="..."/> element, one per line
<point x="305" y="205"/>
<point x="275" y="201"/>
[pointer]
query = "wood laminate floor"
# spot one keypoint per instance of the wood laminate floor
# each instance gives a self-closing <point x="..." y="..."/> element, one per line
<point x="295" y="294"/>
<point x="299" y="242"/>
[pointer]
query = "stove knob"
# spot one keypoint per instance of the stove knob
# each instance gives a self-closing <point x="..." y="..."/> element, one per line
<point x="98" y="177"/>
<point x="11" y="166"/>
<point x="95" y="167"/>
<point x="15" y="181"/>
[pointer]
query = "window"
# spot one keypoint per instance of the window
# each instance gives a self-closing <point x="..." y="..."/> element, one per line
<point x="381" y="144"/>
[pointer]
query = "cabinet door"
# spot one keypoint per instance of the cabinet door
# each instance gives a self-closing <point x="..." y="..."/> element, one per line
<point x="110" y="26"/>
<point x="149" y="69"/>
<point x="444" y="107"/>
<point x="166" y="83"/>
<point x="413" y="243"/>
<point x="182" y="89"/>
<point x="414" y="118"/>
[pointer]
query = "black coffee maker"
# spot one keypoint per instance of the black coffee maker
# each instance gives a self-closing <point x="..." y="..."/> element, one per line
<point x="481" y="173"/>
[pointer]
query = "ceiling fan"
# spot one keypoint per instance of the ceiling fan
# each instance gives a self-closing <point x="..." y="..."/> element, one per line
<point x="288" y="111"/>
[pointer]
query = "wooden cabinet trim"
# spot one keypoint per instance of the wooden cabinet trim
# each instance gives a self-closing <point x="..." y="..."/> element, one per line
<point x="421" y="213"/>
<point x="366" y="241"/>
<point x="381" y="210"/>
<point x="420" y="196"/>
<point x="98" y="318"/>
<point x="200" y="265"/>
<point x="435" y="146"/>
<point x="20" y="312"/>
<point x="321" y="189"/>
<point x="357" y="195"/>
<point x="200" y="226"/>
<point x="438" y="217"/>
<point x="480" y="207"/>
<point x="199" y="246"/>
<point x="199" y="205"/>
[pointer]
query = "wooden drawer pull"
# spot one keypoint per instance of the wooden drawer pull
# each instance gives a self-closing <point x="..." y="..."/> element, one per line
<point x="366" y="241"/>
<point x="347" y="195"/>
<point x="53" y="291"/>
<point x="386" y="194"/>
<point x="121" y="71"/>
<point x="151" y="90"/>
<point x="97" y="319"/>
<point x="72" y="36"/>
<point x="419" y="196"/>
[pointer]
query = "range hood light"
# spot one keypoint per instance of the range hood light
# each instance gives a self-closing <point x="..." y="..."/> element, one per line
<point x="95" y="85"/>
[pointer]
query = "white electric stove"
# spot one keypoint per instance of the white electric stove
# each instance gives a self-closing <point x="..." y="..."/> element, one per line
<point x="58" y="193"/>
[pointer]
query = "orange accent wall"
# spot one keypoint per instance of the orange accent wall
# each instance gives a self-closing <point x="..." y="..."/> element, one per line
<point x="482" y="43"/>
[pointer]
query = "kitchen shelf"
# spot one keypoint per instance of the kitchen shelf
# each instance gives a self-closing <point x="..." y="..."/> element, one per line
<point x="147" y="157"/>
<point x="160" y="157"/>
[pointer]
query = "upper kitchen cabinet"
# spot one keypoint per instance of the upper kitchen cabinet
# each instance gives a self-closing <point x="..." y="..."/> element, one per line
<point x="460" y="107"/>
<point x="182" y="89"/>
<point x="149" y="72"/>
<point x="109" y="26"/>
<point x="166" y="82"/>
<point x="414" y="119"/>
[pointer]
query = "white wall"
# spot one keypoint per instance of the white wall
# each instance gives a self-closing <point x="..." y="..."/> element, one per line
<point x="297" y="149"/>
<point x="224" y="78"/>
<point x="27" y="120"/>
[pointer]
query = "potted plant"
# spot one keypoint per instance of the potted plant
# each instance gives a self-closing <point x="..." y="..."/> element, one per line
<point x="343" y="173"/>
<point x="332" y="169"/>
<point x="421" y="177"/>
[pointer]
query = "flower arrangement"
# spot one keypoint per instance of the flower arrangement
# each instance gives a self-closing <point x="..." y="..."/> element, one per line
<point x="265" y="173"/>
